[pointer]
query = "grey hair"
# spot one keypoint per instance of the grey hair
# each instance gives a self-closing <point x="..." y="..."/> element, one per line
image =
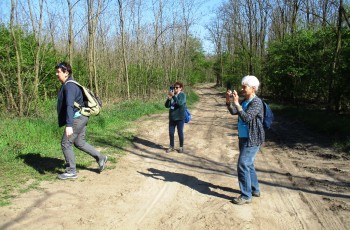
<point x="251" y="81"/>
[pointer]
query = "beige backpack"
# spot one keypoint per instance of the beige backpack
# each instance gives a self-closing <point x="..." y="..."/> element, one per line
<point x="92" y="104"/>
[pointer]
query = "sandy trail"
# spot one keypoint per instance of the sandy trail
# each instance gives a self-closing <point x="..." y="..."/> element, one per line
<point x="151" y="189"/>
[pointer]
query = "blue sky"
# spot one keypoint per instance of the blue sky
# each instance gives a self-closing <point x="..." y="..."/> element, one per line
<point x="206" y="13"/>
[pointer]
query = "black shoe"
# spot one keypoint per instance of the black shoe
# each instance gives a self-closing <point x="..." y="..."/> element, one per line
<point x="170" y="149"/>
<point x="102" y="163"/>
<point x="67" y="175"/>
<point x="256" y="194"/>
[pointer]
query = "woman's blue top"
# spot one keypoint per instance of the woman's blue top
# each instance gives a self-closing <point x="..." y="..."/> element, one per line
<point x="243" y="129"/>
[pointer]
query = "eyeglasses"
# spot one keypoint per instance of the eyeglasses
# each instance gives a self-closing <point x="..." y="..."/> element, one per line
<point x="176" y="87"/>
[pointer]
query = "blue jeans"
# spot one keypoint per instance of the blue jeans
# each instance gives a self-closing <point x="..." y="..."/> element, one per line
<point x="180" y="131"/>
<point x="247" y="178"/>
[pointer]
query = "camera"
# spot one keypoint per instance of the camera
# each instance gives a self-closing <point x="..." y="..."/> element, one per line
<point x="230" y="92"/>
<point x="171" y="88"/>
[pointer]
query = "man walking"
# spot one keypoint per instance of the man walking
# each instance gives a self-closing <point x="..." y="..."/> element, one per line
<point x="75" y="123"/>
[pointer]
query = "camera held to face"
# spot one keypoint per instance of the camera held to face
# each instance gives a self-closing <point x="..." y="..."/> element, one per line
<point x="171" y="88"/>
<point x="229" y="92"/>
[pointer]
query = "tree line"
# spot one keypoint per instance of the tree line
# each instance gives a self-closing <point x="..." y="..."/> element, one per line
<point x="299" y="49"/>
<point x="125" y="49"/>
<point x="121" y="49"/>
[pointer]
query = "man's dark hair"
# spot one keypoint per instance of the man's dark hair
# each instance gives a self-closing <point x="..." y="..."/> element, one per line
<point x="65" y="67"/>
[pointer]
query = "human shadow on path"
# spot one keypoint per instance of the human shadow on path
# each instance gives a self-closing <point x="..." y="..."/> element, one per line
<point x="190" y="181"/>
<point x="43" y="164"/>
<point x="147" y="143"/>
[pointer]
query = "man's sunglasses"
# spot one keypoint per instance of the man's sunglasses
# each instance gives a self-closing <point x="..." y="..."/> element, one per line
<point x="61" y="66"/>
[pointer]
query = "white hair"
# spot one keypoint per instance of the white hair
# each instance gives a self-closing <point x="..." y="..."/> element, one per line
<point x="251" y="81"/>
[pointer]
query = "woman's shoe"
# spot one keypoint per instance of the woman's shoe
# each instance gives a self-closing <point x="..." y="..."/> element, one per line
<point x="239" y="200"/>
<point x="171" y="149"/>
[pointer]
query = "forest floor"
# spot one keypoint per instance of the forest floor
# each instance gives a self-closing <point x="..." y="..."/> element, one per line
<point x="304" y="184"/>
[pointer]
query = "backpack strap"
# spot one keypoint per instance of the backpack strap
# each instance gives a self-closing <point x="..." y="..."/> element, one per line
<point x="75" y="82"/>
<point x="76" y="104"/>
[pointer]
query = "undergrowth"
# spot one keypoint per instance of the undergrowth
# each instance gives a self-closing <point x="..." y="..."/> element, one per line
<point x="334" y="125"/>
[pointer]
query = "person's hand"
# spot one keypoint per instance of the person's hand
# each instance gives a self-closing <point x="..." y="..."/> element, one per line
<point x="69" y="131"/>
<point x="228" y="95"/>
<point x="235" y="97"/>
<point x="170" y="94"/>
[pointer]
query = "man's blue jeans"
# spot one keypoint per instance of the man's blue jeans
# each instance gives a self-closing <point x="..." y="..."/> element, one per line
<point x="247" y="178"/>
<point x="180" y="131"/>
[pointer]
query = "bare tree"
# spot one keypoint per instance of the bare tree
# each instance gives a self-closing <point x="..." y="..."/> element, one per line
<point x="334" y="99"/>
<point x="16" y="45"/>
<point x="37" y="38"/>
<point x="216" y="35"/>
<point x="93" y="17"/>
<point x="70" y="32"/>
<point x="121" y="19"/>
<point x="188" y="9"/>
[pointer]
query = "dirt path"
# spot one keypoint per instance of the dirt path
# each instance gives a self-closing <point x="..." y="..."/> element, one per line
<point x="304" y="185"/>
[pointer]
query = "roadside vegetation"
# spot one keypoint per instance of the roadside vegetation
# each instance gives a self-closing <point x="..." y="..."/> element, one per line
<point x="335" y="126"/>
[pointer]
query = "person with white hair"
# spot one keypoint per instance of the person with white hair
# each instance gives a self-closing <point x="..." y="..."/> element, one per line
<point x="250" y="135"/>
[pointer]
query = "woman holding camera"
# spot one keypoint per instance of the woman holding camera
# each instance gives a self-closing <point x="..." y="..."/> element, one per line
<point x="250" y="135"/>
<point x="176" y="102"/>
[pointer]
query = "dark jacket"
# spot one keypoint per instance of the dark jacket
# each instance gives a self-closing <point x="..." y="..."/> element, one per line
<point x="253" y="116"/>
<point x="69" y="93"/>
<point x="177" y="113"/>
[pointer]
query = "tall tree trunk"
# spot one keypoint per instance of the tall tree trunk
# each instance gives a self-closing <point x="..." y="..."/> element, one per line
<point x="250" y="34"/>
<point x="333" y="99"/>
<point x="70" y="33"/>
<point x="187" y="8"/>
<point x="18" y="61"/>
<point x="121" y="18"/>
<point x="92" y="25"/>
<point x="94" y="61"/>
<point x="294" y="14"/>
<point x="90" y="4"/>
<point x="37" y="38"/>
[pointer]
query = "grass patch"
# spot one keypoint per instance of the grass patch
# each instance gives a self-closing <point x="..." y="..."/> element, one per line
<point x="31" y="149"/>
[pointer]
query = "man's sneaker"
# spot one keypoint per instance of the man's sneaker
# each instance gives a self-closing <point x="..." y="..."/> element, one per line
<point x="256" y="194"/>
<point x="102" y="163"/>
<point x="181" y="149"/>
<point x="67" y="175"/>
<point x="239" y="200"/>
<point x="171" y="149"/>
